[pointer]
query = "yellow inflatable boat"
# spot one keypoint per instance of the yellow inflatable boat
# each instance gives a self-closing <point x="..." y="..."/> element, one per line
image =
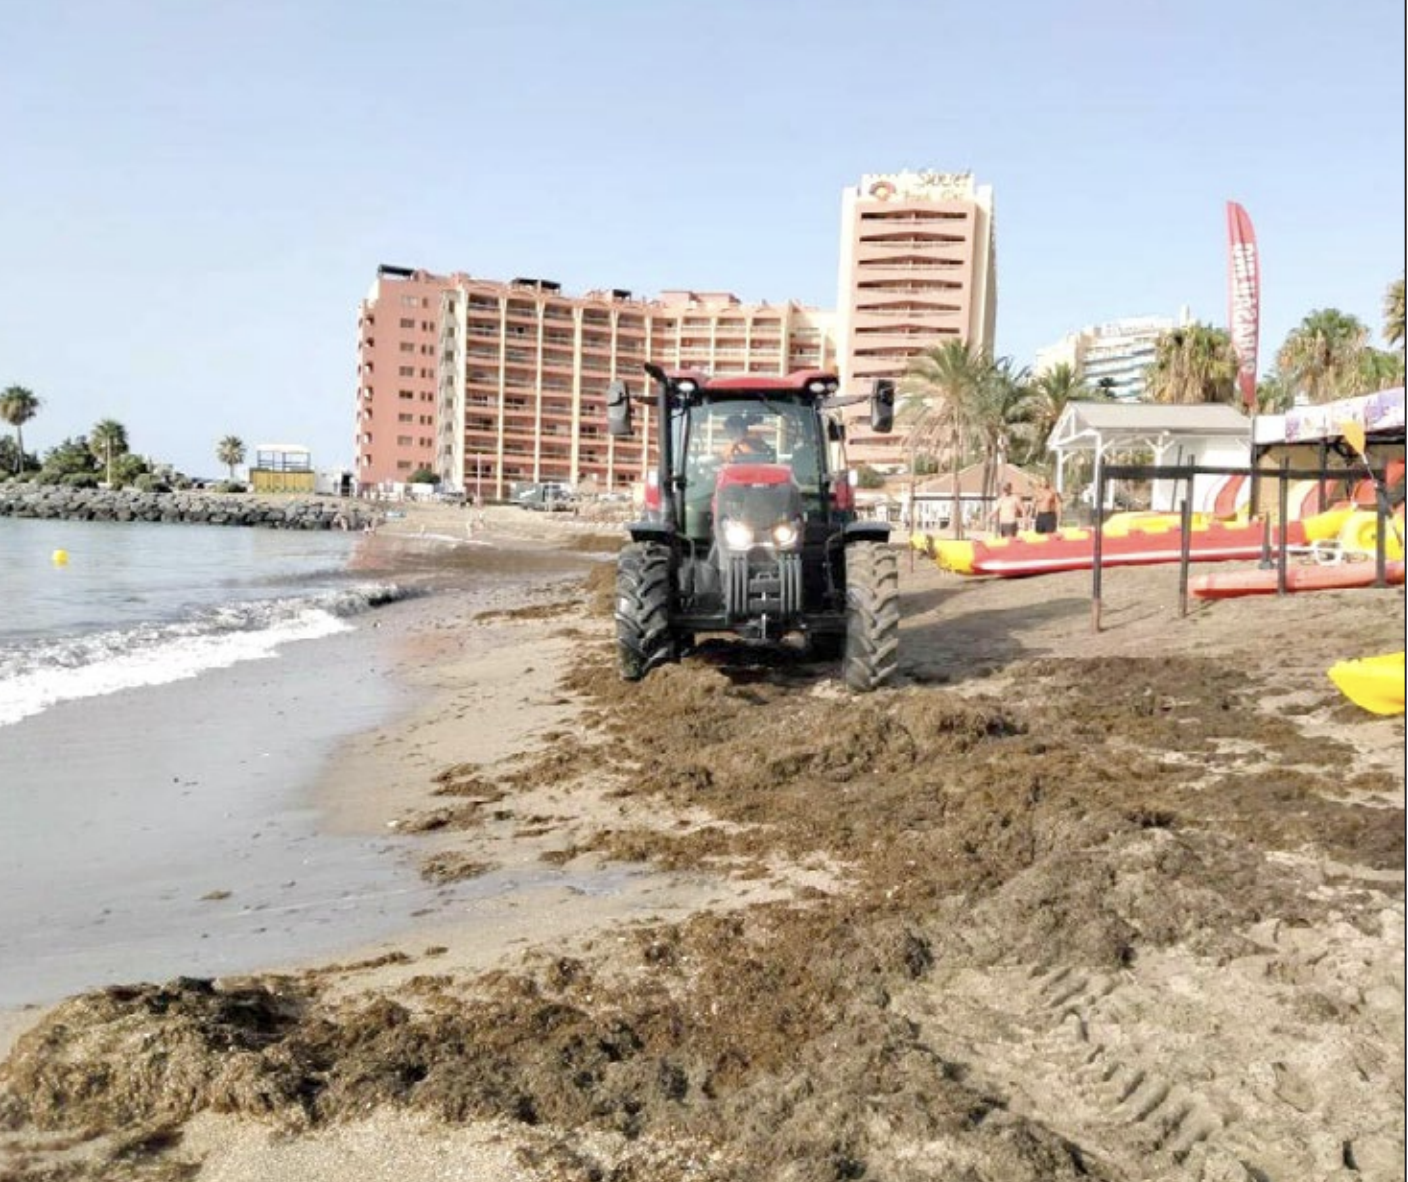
<point x="1375" y="683"/>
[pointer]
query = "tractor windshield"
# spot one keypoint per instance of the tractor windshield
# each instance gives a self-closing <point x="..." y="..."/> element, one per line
<point x="749" y="431"/>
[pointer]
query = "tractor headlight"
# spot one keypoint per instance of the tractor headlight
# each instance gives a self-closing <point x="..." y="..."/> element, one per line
<point x="786" y="534"/>
<point x="738" y="535"/>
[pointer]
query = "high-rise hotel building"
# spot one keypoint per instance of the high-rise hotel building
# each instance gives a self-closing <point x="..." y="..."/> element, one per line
<point x="918" y="268"/>
<point x="488" y="383"/>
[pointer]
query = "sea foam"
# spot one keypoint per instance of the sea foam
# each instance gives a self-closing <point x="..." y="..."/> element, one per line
<point x="36" y="676"/>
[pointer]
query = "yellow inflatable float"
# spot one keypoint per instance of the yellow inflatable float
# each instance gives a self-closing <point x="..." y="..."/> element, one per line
<point x="1374" y="683"/>
<point x="1359" y="532"/>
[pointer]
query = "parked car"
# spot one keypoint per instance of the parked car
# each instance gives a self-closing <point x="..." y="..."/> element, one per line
<point x="550" y="497"/>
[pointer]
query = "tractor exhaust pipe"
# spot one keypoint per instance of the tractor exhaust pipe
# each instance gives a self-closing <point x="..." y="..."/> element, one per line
<point x="667" y="464"/>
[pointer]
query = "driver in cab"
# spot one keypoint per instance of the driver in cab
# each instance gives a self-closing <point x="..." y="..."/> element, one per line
<point x="740" y="445"/>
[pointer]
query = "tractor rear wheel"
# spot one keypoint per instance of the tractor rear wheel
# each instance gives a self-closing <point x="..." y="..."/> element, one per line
<point x="643" y="637"/>
<point x="872" y="616"/>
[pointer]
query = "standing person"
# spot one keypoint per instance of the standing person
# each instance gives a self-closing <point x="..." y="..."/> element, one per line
<point x="1008" y="512"/>
<point x="1047" y="504"/>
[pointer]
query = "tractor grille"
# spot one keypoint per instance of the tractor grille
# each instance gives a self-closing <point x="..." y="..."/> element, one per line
<point x="770" y="587"/>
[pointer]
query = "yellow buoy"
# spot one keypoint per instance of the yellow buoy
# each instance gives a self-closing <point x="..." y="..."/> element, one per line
<point x="60" y="557"/>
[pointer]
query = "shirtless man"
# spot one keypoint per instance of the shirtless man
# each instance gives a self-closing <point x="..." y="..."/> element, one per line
<point x="1008" y="512"/>
<point x="1047" y="506"/>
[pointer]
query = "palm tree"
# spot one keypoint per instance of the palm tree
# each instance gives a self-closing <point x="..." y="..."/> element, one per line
<point x="1051" y="390"/>
<point x="107" y="440"/>
<point x="1273" y="395"/>
<point x="999" y="413"/>
<point x="17" y="407"/>
<point x="1193" y="363"/>
<point x="1393" y="312"/>
<point x="230" y="452"/>
<point x="939" y="386"/>
<point x="1377" y="369"/>
<point x="1320" y="356"/>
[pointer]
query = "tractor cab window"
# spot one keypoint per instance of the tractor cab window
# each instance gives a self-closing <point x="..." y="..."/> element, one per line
<point x="749" y="431"/>
<point x="752" y="430"/>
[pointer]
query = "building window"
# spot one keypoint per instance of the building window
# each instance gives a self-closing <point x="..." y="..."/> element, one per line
<point x="407" y="347"/>
<point x="405" y="418"/>
<point x="406" y="394"/>
<point x="407" y="323"/>
<point x="406" y="371"/>
<point x="403" y="441"/>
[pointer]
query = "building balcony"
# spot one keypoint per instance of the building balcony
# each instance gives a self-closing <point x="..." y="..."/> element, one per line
<point x="907" y="286"/>
<point x="913" y="217"/>
<point x="870" y="267"/>
<point x="913" y="239"/>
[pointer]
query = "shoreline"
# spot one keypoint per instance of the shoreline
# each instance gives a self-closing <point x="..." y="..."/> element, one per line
<point x="291" y="816"/>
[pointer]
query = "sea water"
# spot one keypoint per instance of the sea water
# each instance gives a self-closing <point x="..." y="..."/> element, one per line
<point x="168" y="696"/>
<point x="89" y="608"/>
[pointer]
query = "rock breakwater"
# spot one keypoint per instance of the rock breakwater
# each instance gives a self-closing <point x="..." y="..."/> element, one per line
<point x="194" y="508"/>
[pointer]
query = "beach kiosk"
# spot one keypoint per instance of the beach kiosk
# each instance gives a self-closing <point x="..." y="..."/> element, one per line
<point x="282" y="468"/>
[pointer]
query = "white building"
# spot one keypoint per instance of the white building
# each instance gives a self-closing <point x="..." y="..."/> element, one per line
<point x="1113" y="355"/>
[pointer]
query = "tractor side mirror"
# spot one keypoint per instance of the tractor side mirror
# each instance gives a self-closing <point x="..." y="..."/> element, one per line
<point x="618" y="409"/>
<point x="882" y="406"/>
<point x="835" y="432"/>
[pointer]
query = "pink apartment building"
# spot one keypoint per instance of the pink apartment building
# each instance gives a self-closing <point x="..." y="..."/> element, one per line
<point x="487" y="383"/>
<point x="398" y="336"/>
<point x="506" y="382"/>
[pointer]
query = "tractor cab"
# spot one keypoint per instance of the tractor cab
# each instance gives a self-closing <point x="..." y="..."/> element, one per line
<point x="750" y="525"/>
<point x="728" y="444"/>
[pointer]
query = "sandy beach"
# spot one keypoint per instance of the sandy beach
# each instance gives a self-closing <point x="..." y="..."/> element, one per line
<point x="1121" y="906"/>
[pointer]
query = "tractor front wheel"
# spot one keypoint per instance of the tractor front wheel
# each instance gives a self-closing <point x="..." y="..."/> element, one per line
<point x="643" y="637"/>
<point x="872" y="615"/>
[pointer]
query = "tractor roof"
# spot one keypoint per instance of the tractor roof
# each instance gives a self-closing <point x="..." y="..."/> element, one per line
<point x="799" y="381"/>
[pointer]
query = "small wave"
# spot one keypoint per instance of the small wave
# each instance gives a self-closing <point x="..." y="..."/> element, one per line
<point x="39" y="675"/>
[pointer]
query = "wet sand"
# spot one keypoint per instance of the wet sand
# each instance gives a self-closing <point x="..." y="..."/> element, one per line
<point x="1058" y="905"/>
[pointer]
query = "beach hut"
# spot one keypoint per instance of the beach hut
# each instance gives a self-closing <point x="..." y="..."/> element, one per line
<point x="282" y="468"/>
<point x="1214" y="435"/>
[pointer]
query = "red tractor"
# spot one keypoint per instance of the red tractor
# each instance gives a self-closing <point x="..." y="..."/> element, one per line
<point x="750" y="529"/>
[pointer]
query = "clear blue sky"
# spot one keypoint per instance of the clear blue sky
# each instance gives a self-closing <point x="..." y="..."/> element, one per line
<point x="197" y="195"/>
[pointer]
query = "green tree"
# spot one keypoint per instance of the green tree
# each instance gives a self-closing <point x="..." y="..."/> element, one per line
<point x="126" y="468"/>
<point x="17" y="407"/>
<point x="868" y="478"/>
<point x="1273" y="395"/>
<point x="1393" y="312"/>
<point x="999" y="414"/>
<point x="72" y="457"/>
<point x="108" y="441"/>
<point x="1051" y="391"/>
<point x="1320" y="357"/>
<point x="1193" y="363"/>
<point x="1377" y="369"/>
<point x="939" y="387"/>
<point x="230" y="452"/>
<point x="423" y="476"/>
